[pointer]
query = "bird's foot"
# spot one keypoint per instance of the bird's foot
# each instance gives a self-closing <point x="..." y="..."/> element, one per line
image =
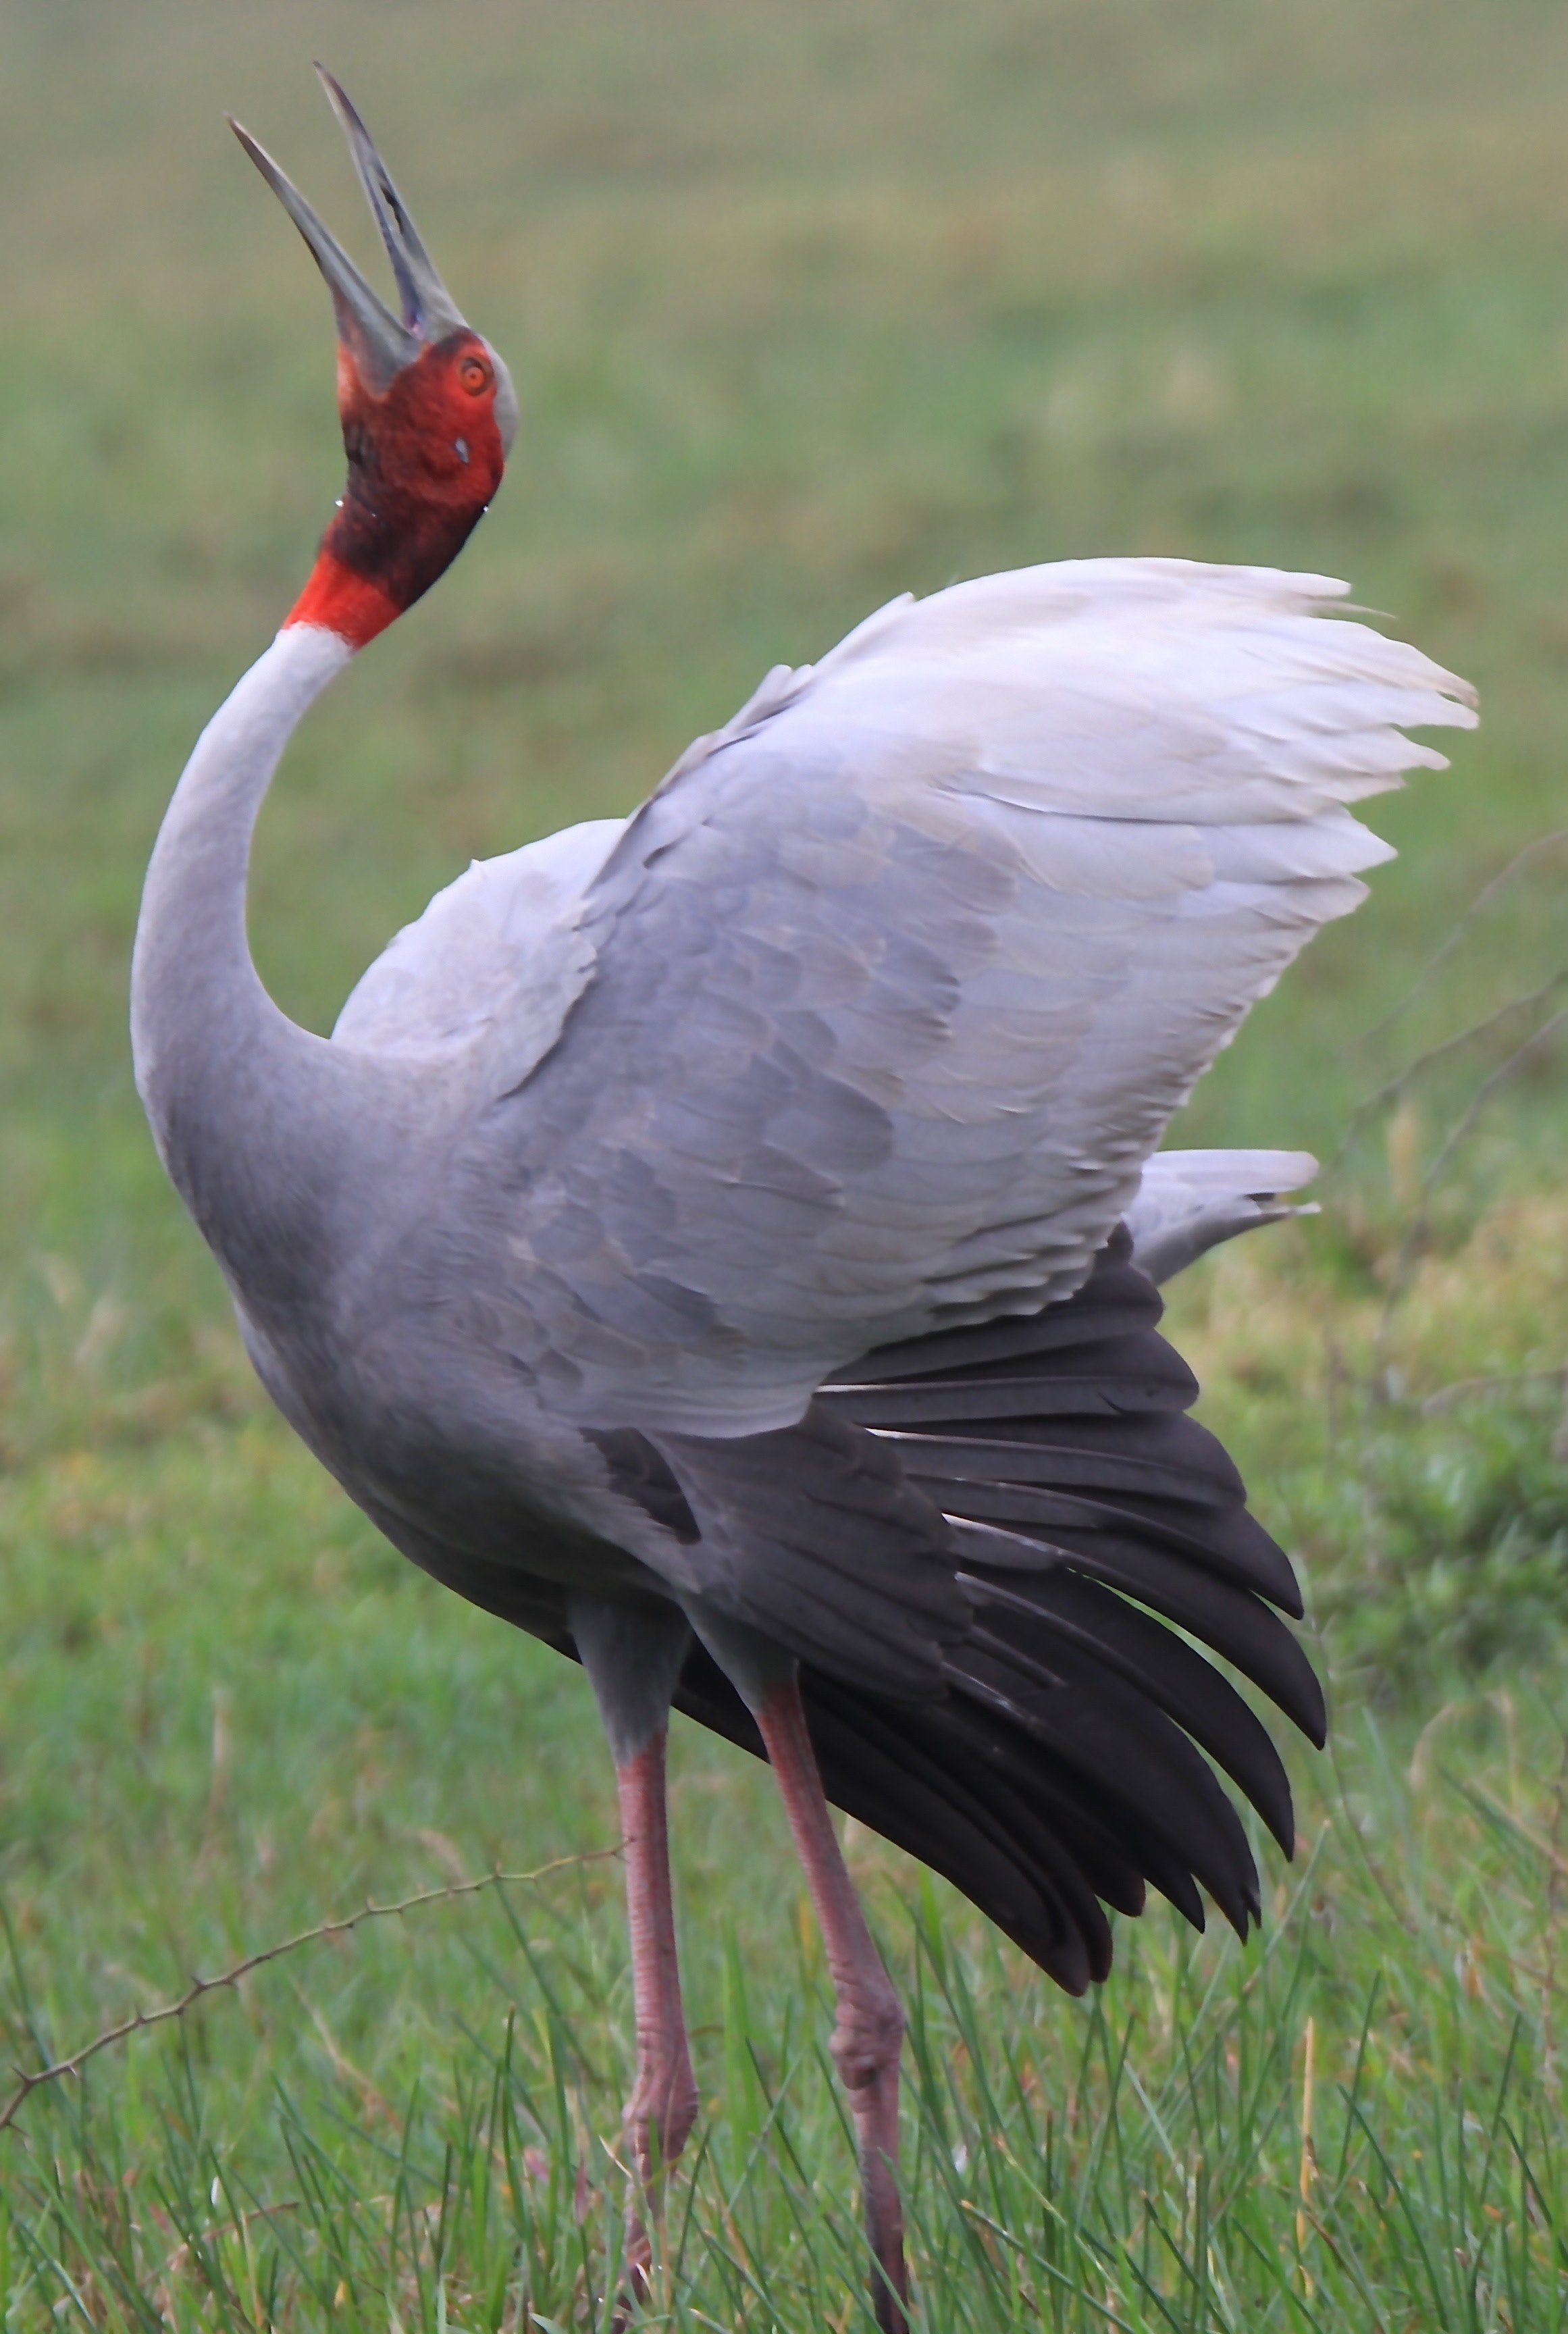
<point x="660" y="2116"/>
<point x="636" y="2272"/>
<point x="866" y="2045"/>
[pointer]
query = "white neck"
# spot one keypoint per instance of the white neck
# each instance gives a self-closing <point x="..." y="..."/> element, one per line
<point x="248" y="1110"/>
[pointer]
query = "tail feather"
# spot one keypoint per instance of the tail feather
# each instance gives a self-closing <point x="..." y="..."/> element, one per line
<point x="1068" y="1609"/>
<point x="1089" y="1513"/>
<point x="1122" y="1743"/>
<point x="1234" y="1623"/>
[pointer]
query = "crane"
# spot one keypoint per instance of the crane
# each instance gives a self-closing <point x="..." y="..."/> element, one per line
<point x="723" y="1241"/>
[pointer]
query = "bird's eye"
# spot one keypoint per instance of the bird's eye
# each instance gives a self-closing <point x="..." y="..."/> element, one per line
<point x="475" y="375"/>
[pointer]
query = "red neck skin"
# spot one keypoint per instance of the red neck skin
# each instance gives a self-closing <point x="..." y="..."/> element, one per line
<point x="411" y="500"/>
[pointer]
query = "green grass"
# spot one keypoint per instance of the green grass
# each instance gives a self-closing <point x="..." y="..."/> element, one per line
<point x="807" y="306"/>
<point x="414" y="2127"/>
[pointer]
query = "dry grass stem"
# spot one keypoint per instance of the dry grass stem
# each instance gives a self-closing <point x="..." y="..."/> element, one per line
<point x="28" y="2081"/>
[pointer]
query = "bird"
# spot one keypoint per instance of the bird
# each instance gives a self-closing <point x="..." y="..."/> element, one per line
<point x="724" y="1242"/>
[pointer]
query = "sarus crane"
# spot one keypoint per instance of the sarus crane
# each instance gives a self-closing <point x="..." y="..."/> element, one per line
<point x="723" y="1241"/>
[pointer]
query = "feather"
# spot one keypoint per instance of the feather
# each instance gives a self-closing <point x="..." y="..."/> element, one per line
<point x="1188" y="1201"/>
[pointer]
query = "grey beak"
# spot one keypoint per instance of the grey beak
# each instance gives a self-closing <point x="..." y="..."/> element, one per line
<point x="430" y="310"/>
<point x="381" y="343"/>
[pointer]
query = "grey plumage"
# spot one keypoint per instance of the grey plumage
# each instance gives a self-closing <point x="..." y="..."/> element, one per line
<point x="855" y="1039"/>
<point x="723" y="1242"/>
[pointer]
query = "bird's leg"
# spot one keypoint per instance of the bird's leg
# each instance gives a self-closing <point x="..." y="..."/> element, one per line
<point x="869" y="2028"/>
<point x="868" y="2031"/>
<point x="663" y="2105"/>
<point x="633" y="1655"/>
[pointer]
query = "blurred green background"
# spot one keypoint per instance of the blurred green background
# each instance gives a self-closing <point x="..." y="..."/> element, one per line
<point x="807" y="304"/>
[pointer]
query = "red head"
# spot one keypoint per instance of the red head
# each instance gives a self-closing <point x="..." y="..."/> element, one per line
<point x="427" y="408"/>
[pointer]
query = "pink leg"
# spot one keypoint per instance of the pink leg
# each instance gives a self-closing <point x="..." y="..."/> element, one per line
<point x="869" y="2028"/>
<point x="663" y="2104"/>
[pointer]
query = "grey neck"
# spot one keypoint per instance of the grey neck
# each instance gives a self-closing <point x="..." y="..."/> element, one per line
<point x="250" y="1113"/>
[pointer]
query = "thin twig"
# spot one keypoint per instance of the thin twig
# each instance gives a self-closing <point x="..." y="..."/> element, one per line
<point x="199" y="1987"/>
<point x="1378" y="1879"/>
<point x="1456" y="1136"/>
<point x="1395" y="1086"/>
<point x="1548" y="1850"/>
<point x="1446" y="1396"/>
<point x="233" y="2228"/>
<point x="1483" y="899"/>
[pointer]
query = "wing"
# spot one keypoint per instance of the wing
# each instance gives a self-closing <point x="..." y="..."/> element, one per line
<point x="492" y="967"/>
<point x="896" y="981"/>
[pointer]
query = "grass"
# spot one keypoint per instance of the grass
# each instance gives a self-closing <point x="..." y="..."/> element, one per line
<point x="421" y="2135"/>
<point x="807" y="307"/>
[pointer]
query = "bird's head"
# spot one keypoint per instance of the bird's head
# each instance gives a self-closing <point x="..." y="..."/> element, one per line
<point x="427" y="408"/>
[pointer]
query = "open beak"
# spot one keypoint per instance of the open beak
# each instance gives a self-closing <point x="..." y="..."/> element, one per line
<point x="380" y="343"/>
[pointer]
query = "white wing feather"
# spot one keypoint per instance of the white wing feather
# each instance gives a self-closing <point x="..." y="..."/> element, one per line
<point x="1188" y="1201"/>
<point x="492" y="963"/>
<point x="872" y="1015"/>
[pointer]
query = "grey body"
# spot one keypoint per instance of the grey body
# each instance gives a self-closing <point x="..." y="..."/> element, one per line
<point x="712" y="1241"/>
